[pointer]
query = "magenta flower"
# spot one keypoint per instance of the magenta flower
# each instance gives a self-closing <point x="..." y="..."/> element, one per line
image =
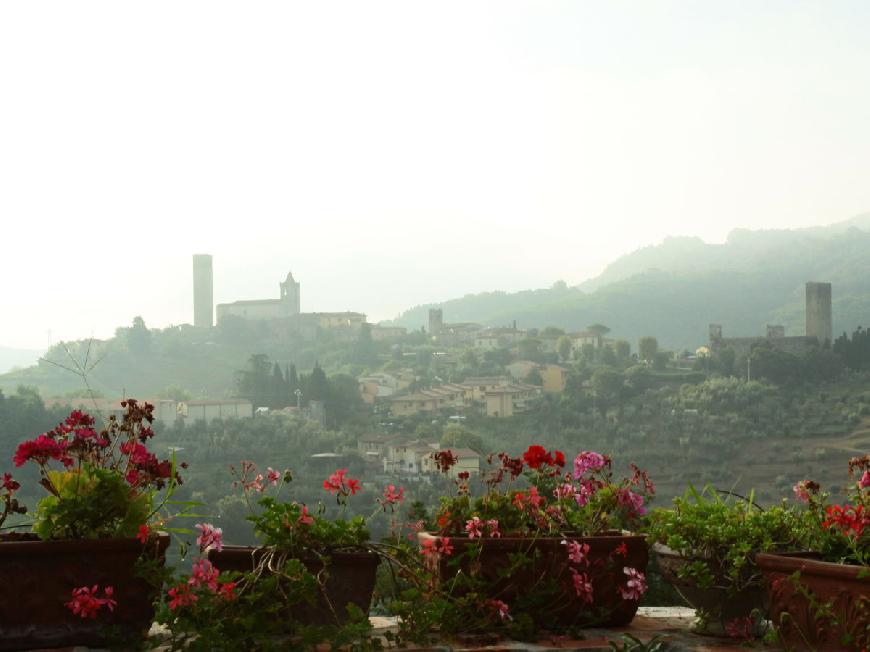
<point x="631" y="501"/>
<point x="584" y="491"/>
<point x="577" y="552"/>
<point x="305" y="518"/>
<point x="339" y="483"/>
<point x="181" y="597"/>
<point x="500" y="608"/>
<point x="635" y="586"/>
<point x="392" y="495"/>
<point x="437" y="546"/>
<point x="864" y="482"/>
<point x="587" y="461"/>
<point x="582" y="585"/>
<point x="801" y="494"/>
<point x="209" y="537"/>
<point x="86" y="604"/>
<point x="473" y="527"/>
<point x="144" y="533"/>
<point x="204" y="574"/>
<point x="273" y="476"/>
<point x="492" y="528"/>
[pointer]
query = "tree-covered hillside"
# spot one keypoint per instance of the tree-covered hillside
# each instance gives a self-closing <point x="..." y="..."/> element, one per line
<point x="674" y="290"/>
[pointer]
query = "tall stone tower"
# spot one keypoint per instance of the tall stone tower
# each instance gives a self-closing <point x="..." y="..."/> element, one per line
<point x="436" y="321"/>
<point x="290" y="294"/>
<point x="819" y="322"/>
<point x="203" y="291"/>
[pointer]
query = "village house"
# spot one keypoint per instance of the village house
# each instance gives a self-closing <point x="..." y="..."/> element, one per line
<point x="584" y="338"/>
<point x="555" y="378"/>
<point x="103" y="408"/>
<point x="381" y="333"/>
<point x="510" y="400"/>
<point x="209" y="410"/>
<point x="467" y="461"/>
<point x="407" y="458"/>
<point x="496" y="338"/>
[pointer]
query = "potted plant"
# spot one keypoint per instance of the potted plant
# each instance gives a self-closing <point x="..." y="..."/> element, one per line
<point x="550" y="552"/>
<point x="824" y="604"/>
<point x="76" y="578"/>
<point x="310" y="581"/>
<point x="706" y="546"/>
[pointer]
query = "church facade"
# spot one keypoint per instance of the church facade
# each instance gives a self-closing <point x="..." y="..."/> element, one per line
<point x="287" y="305"/>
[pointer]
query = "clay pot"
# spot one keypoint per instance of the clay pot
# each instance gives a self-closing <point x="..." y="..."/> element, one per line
<point x="39" y="577"/>
<point x="722" y="604"/>
<point x="349" y="579"/>
<point x="825" y="608"/>
<point x="546" y="585"/>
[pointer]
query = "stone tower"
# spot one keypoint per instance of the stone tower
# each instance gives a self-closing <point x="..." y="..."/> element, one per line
<point x="203" y="291"/>
<point x="715" y="332"/>
<point x="290" y="294"/>
<point x="819" y="322"/>
<point x="436" y="321"/>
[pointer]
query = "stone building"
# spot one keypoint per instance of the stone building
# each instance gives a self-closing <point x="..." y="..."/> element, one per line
<point x="818" y="313"/>
<point x="203" y="291"/>
<point x="818" y="328"/>
<point x="287" y="305"/>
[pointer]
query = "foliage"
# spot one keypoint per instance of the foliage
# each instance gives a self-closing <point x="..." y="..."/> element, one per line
<point x="722" y="536"/>
<point x="276" y="605"/>
<point x="585" y="502"/>
<point x="454" y="585"/>
<point x="109" y="478"/>
<point x="90" y="503"/>
<point x="269" y="608"/>
<point x="647" y="348"/>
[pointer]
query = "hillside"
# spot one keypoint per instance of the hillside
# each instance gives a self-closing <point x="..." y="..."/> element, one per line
<point x="675" y="289"/>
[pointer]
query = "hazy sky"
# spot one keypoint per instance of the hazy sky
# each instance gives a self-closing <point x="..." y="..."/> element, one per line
<point x="391" y="154"/>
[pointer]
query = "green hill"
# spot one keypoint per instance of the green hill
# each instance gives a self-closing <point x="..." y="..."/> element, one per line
<point x="675" y="289"/>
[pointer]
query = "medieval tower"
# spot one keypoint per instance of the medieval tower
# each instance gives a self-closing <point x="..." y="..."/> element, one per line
<point x="436" y="321"/>
<point x="203" y="291"/>
<point x="819" y="312"/>
<point x="290" y="294"/>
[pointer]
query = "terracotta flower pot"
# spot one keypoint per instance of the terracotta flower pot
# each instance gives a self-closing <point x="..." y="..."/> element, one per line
<point x="349" y="579"/>
<point x="721" y="604"/>
<point x="38" y="580"/>
<point x="546" y="584"/>
<point x="817" y="605"/>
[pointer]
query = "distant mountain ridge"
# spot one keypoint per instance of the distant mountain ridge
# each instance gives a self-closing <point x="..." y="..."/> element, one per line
<point x="673" y="290"/>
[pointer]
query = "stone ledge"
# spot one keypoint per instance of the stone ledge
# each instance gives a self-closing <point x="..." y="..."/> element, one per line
<point x="673" y="624"/>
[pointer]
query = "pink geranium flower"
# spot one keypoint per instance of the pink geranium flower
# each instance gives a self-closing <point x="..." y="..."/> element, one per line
<point x="210" y="537"/>
<point x="582" y="585"/>
<point x="473" y="527"/>
<point x="339" y="483"/>
<point x="204" y="574"/>
<point x="181" y="596"/>
<point x="499" y="608"/>
<point x="587" y="461"/>
<point x="144" y="533"/>
<point x="86" y="604"/>
<point x="635" y="586"/>
<point x="305" y="518"/>
<point x="577" y="552"/>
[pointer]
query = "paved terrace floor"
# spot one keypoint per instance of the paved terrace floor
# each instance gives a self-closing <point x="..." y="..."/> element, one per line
<point x="672" y="624"/>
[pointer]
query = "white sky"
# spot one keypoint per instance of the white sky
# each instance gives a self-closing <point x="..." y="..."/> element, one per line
<point x="391" y="154"/>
